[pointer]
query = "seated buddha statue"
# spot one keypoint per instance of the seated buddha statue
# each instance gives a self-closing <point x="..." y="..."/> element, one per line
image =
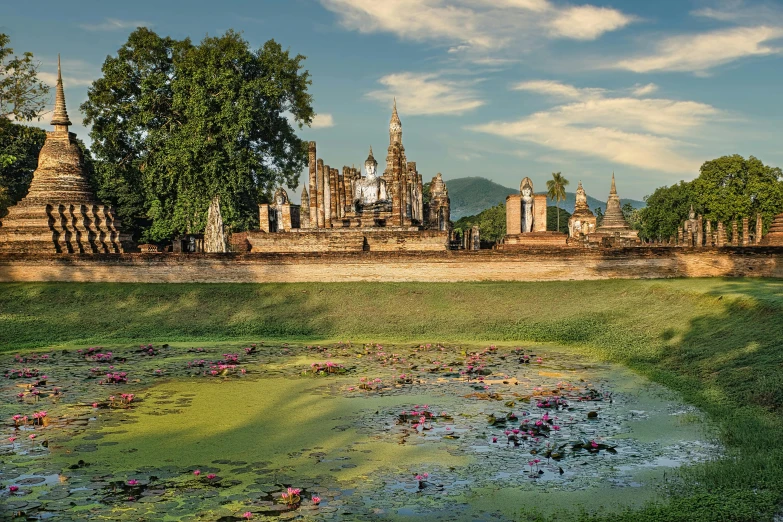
<point x="369" y="192"/>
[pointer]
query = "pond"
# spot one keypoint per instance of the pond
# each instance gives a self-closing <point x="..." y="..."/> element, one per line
<point x="280" y="432"/>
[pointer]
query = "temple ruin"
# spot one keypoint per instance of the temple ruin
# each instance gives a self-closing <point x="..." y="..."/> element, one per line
<point x="344" y="210"/>
<point x="60" y="213"/>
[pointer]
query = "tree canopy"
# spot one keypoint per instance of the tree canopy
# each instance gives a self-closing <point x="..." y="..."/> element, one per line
<point x="19" y="148"/>
<point x="727" y="189"/>
<point x="175" y="124"/>
<point x="555" y="190"/>
<point x="22" y="95"/>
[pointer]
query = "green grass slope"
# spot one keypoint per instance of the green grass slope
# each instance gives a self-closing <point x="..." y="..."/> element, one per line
<point x="718" y="342"/>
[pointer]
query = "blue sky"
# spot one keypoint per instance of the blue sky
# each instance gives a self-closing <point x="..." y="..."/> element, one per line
<point x="497" y="88"/>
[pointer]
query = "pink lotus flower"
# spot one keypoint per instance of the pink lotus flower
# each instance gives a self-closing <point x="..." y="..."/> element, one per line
<point x="556" y="427"/>
<point x="94" y="404"/>
<point x="133" y="482"/>
<point x="247" y="515"/>
<point x="13" y="489"/>
<point x="494" y="439"/>
<point x="593" y="444"/>
<point x="197" y="472"/>
<point x="211" y="476"/>
<point x="32" y="436"/>
<point x="316" y="500"/>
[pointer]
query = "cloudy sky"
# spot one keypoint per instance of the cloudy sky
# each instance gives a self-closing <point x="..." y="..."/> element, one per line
<point x="497" y="88"/>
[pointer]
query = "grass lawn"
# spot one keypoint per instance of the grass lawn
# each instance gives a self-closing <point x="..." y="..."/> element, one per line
<point x="717" y="341"/>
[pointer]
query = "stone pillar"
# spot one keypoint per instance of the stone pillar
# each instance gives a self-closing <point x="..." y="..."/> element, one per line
<point x="539" y="213"/>
<point x="709" y="241"/>
<point x="320" y="194"/>
<point x="720" y="240"/>
<point x="734" y="234"/>
<point x="304" y="216"/>
<point x="334" y="198"/>
<point x="514" y="214"/>
<point x="745" y="231"/>
<point x="311" y="159"/>
<point x="344" y="181"/>
<point x="759" y="229"/>
<point x="285" y="222"/>
<point x="699" y="231"/>
<point x="263" y="217"/>
<point x="476" y="238"/>
<point x="327" y="197"/>
<point x="679" y="237"/>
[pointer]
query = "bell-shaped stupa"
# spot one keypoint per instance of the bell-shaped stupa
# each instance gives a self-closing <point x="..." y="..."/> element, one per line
<point x="60" y="214"/>
<point x="614" y="222"/>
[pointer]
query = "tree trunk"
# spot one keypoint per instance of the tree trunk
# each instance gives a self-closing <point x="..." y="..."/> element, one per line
<point x="214" y="235"/>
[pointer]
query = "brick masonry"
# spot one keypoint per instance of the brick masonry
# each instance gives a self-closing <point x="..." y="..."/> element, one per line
<point x="449" y="266"/>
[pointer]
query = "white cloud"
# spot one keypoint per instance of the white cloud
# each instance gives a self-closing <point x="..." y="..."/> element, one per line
<point x="427" y="94"/>
<point x="113" y="24"/>
<point x="476" y="28"/>
<point x="556" y="89"/>
<point x="741" y="12"/>
<point x="643" y="90"/>
<point x="322" y="121"/>
<point x="646" y="133"/>
<point x="701" y="52"/>
<point x="587" y="22"/>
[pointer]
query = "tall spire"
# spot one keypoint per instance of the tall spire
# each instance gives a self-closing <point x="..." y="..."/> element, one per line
<point x="60" y="118"/>
<point x="395" y="126"/>
<point x="614" y="188"/>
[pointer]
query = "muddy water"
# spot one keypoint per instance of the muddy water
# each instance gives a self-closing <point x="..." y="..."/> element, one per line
<point x="499" y="432"/>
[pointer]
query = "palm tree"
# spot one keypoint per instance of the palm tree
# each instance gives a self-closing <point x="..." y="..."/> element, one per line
<point x="555" y="189"/>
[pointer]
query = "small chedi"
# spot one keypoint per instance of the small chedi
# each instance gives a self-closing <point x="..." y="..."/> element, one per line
<point x="614" y="228"/>
<point x="345" y="211"/>
<point x="60" y="214"/>
<point x="526" y="220"/>
<point x="775" y="235"/>
<point x="582" y="222"/>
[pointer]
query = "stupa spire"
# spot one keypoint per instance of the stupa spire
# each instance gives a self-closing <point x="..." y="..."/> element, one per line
<point x="614" y="188"/>
<point x="60" y="119"/>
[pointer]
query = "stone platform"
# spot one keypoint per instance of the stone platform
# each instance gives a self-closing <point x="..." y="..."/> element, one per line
<point x="390" y="239"/>
<point x="534" y="240"/>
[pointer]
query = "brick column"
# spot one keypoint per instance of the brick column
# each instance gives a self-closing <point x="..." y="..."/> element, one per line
<point x="720" y="240"/>
<point x="334" y="196"/>
<point x="327" y="197"/>
<point x="699" y="232"/>
<point x="734" y="234"/>
<point x="320" y="194"/>
<point x="759" y="228"/>
<point x="313" y="207"/>
<point x="745" y="231"/>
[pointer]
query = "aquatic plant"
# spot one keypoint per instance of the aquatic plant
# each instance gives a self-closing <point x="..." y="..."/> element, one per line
<point x="21" y="373"/>
<point x="115" y="378"/>
<point x="316" y="500"/>
<point x="422" y="479"/>
<point x="291" y="496"/>
<point x="327" y="368"/>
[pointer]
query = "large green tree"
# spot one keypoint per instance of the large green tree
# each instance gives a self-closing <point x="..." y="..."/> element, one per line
<point x="727" y="189"/>
<point x="174" y="124"/>
<point x="491" y="222"/>
<point x="19" y="148"/>
<point x="732" y="187"/>
<point x="22" y="95"/>
<point x="556" y="191"/>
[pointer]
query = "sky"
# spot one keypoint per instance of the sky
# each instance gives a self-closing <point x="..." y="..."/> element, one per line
<point x="502" y="89"/>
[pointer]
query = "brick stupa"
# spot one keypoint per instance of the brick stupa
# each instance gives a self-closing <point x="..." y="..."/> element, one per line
<point x="60" y="214"/>
<point x="614" y="222"/>
<point x="775" y="235"/>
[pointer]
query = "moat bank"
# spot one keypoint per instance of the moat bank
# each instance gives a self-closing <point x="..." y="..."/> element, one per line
<point x="716" y="341"/>
<point x="521" y="265"/>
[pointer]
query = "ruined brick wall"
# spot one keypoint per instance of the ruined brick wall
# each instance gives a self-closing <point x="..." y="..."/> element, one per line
<point x="397" y="266"/>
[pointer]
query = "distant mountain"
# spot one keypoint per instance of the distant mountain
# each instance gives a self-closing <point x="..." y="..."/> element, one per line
<point x="471" y="195"/>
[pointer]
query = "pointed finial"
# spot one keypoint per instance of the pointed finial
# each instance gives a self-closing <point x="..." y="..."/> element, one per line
<point x="60" y="118"/>
<point x="394" y="107"/>
<point x="614" y="188"/>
